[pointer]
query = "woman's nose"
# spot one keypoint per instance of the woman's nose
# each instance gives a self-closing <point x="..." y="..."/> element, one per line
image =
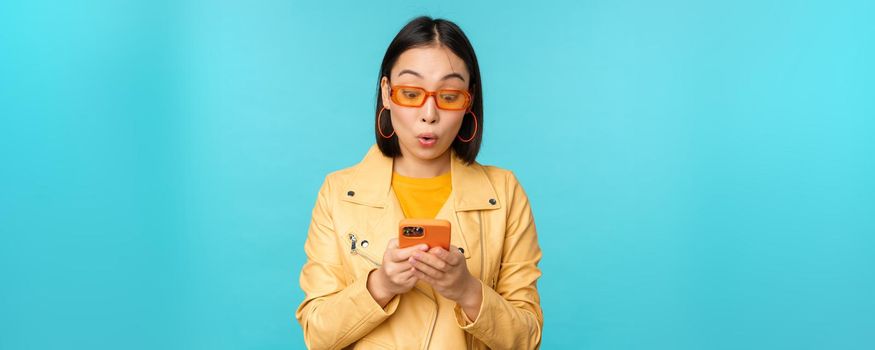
<point x="430" y="112"/>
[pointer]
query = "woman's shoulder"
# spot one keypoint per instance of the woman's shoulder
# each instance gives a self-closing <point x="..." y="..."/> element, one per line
<point x="506" y="185"/>
<point x="341" y="174"/>
<point x="499" y="175"/>
<point x="372" y="161"/>
<point x="365" y="171"/>
<point x="339" y="178"/>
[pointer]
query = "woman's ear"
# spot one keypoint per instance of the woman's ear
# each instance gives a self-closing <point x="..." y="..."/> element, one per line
<point x="384" y="92"/>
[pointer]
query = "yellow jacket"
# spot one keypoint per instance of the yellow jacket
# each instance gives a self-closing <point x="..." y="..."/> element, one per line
<point x="355" y="216"/>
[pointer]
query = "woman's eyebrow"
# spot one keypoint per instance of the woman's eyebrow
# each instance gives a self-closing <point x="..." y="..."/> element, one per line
<point x="448" y="76"/>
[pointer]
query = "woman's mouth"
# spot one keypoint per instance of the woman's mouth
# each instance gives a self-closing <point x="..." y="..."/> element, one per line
<point x="427" y="139"/>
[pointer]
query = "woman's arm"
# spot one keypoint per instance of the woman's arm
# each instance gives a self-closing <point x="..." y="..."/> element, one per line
<point x="510" y="315"/>
<point x="333" y="314"/>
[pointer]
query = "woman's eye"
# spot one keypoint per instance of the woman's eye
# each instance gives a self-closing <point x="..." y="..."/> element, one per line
<point x="449" y="97"/>
<point x="411" y="94"/>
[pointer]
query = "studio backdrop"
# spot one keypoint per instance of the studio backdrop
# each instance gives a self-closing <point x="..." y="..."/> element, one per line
<point x="701" y="173"/>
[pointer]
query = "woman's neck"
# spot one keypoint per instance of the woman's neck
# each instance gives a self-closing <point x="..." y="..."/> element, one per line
<point x="422" y="168"/>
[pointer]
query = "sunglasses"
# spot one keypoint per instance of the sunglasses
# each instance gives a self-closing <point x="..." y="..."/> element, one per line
<point x="446" y="99"/>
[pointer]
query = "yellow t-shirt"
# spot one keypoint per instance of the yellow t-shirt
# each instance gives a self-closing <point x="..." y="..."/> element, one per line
<point x="421" y="198"/>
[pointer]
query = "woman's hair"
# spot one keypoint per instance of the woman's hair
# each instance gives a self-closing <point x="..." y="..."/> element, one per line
<point x="422" y="32"/>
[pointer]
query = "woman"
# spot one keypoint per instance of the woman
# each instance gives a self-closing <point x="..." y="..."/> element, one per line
<point x="362" y="290"/>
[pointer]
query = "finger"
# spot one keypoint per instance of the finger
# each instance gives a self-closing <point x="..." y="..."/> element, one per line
<point x="454" y="249"/>
<point x="454" y="256"/>
<point x="392" y="251"/>
<point x="406" y="274"/>
<point x="412" y="276"/>
<point x="412" y="279"/>
<point x="441" y="253"/>
<point x="395" y="255"/>
<point x="399" y="267"/>
<point x="446" y="256"/>
<point x="402" y="254"/>
<point x="431" y="260"/>
<point x="405" y="253"/>
<point x="420" y="275"/>
<point x="426" y="269"/>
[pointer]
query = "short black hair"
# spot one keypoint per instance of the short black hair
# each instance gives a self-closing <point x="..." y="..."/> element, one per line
<point x="421" y="32"/>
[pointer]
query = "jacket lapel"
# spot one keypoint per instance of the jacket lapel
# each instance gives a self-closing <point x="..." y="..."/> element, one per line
<point x="372" y="180"/>
<point x="472" y="191"/>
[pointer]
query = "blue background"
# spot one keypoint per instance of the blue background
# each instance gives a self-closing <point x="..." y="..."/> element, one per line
<point x="701" y="174"/>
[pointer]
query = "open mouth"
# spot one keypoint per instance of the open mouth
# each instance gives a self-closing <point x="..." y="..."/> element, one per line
<point x="427" y="139"/>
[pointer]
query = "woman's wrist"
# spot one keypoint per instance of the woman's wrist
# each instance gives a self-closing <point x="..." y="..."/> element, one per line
<point x="376" y="286"/>
<point x="472" y="298"/>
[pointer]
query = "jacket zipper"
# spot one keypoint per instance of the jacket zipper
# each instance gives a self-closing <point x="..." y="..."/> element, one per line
<point x="352" y="250"/>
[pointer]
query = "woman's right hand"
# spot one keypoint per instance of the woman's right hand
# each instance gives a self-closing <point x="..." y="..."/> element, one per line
<point x="396" y="275"/>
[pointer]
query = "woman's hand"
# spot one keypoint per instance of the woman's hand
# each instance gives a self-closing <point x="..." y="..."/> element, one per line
<point x="396" y="275"/>
<point x="448" y="274"/>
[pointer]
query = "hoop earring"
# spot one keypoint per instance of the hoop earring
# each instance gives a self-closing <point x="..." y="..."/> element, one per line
<point x="379" y="129"/>
<point x="473" y="134"/>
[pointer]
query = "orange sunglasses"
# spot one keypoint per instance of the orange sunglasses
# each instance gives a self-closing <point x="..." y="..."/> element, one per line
<point x="414" y="96"/>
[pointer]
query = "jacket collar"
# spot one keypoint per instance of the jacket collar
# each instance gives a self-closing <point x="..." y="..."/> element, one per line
<point x="372" y="181"/>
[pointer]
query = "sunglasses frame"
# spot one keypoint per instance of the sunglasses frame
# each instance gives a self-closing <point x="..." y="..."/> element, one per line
<point x="394" y="89"/>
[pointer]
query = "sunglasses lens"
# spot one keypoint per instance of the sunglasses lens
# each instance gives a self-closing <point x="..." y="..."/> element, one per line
<point x="451" y="99"/>
<point x="410" y="97"/>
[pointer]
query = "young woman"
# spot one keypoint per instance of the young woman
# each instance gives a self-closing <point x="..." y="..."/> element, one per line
<point x="362" y="290"/>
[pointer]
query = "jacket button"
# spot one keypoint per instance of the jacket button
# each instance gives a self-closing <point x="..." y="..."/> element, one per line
<point x="365" y="244"/>
<point x="461" y="250"/>
<point x="492" y="201"/>
<point x="350" y="193"/>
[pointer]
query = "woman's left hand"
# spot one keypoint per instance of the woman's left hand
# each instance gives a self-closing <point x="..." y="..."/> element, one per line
<point x="448" y="274"/>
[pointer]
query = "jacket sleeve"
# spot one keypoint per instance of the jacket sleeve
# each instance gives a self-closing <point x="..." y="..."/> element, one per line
<point x="334" y="313"/>
<point x="510" y="315"/>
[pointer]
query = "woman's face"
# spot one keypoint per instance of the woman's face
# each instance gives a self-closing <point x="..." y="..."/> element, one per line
<point x="426" y="132"/>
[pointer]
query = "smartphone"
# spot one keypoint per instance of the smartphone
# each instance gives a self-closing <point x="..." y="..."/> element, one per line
<point x="434" y="232"/>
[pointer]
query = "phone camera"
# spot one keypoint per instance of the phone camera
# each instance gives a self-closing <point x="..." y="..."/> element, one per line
<point x="412" y="231"/>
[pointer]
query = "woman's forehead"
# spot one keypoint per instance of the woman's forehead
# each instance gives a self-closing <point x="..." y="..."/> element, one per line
<point x="430" y="64"/>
